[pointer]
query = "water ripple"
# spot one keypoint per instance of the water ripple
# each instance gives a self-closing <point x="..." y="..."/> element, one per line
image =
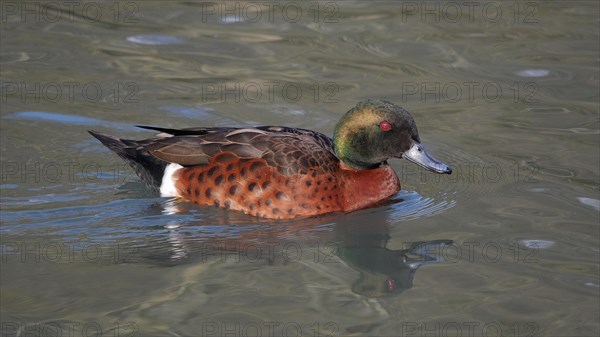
<point x="69" y="119"/>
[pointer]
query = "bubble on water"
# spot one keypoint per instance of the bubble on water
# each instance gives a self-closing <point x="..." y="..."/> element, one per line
<point x="538" y="189"/>
<point x="595" y="203"/>
<point x="533" y="73"/>
<point x="231" y="19"/>
<point x="154" y="40"/>
<point x="537" y="244"/>
<point x="289" y="111"/>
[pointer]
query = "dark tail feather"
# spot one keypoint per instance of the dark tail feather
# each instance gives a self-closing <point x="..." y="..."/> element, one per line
<point x="148" y="167"/>
<point x="174" y="132"/>
<point x="186" y="131"/>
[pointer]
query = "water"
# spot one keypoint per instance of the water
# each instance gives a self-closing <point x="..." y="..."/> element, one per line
<point x="507" y="244"/>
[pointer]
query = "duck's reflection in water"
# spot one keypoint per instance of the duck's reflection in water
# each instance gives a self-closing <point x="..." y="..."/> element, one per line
<point x="360" y="241"/>
<point x="384" y="271"/>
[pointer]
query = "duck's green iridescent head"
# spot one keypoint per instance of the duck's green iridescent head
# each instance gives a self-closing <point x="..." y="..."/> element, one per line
<point x="374" y="131"/>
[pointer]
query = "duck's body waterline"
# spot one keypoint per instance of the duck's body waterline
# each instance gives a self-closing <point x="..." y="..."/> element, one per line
<point x="278" y="172"/>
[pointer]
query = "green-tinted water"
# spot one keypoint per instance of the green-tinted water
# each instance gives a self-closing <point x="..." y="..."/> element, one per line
<point x="504" y="92"/>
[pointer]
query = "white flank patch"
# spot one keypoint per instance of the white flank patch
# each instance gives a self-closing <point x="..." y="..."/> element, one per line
<point x="167" y="187"/>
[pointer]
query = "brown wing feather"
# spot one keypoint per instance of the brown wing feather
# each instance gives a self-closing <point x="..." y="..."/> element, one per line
<point x="289" y="153"/>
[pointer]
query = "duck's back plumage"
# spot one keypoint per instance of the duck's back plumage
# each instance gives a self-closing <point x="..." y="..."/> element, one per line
<point x="288" y="150"/>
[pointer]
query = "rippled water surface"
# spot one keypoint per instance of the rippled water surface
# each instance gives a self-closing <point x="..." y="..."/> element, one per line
<point x="506" y="93"/>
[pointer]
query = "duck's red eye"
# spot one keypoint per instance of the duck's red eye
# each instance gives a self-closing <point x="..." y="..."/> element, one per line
<point x="385" y="126"/>
<point x="390" y="285"/>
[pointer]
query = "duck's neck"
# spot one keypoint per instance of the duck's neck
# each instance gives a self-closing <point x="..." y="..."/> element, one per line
<point x="349" y="157"/>
<point x="366" y="187"/>
<point x="351" y="146"/>
<point x="359" y="165"/>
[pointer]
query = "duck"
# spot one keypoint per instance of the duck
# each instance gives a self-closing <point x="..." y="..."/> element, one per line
<point x="279" y="172"/>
